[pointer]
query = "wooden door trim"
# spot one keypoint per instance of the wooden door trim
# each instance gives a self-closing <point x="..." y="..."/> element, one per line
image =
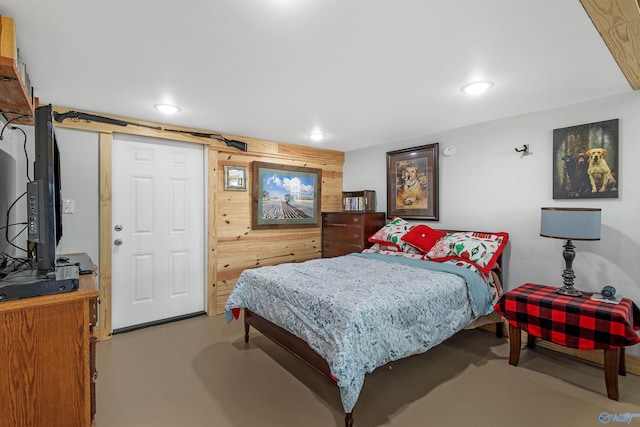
<point x="212" y="252"/>
<point x="104" y="328"/>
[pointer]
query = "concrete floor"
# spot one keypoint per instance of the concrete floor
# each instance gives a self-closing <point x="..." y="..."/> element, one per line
<point x="199" y="372"/>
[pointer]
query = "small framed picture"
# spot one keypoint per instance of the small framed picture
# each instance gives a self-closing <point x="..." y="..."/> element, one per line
<point x="235" y="178"/>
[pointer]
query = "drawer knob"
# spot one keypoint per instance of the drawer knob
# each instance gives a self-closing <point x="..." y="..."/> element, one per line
<point x="356" y="236"/>
<point x="356" y="219"/>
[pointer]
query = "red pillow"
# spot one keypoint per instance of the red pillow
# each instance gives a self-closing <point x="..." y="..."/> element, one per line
<point x="423" y="237"/>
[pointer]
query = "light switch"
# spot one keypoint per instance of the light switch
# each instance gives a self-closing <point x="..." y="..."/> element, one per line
<point x="69" y="206"/>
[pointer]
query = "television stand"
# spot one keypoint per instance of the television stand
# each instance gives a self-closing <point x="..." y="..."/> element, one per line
<point x="47" y="347"/>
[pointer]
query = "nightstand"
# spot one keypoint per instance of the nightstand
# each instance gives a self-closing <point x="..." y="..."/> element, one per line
<point x="575" y="322"/>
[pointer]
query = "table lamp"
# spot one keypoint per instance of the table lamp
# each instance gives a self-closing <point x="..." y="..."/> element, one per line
<point x="570" y="224"/>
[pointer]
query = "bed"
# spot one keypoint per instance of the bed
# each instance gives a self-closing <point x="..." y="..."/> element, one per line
<point x="350" y="315"/>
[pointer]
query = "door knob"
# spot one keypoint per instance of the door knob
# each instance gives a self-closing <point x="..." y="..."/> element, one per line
<point x="117" y="242"/>
<point x="118" y="227"/>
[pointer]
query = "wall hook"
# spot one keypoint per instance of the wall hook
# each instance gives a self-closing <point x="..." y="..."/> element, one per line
<point x="524" y="150"/>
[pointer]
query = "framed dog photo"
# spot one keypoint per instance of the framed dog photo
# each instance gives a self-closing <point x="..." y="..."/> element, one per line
<point x="235" y="178"/>
<point x="412" y="183"/>
<point x="585" y="161"/>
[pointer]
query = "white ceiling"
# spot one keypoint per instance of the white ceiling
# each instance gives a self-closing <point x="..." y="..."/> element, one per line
<point x="363" y="72"/>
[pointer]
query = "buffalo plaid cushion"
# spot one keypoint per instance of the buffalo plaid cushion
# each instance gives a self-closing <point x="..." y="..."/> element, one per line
<point x="576" y="322"/>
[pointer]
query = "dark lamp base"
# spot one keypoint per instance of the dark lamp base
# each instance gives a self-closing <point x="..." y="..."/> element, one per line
<point x="568" y="275"/>
<point x="572" y="292"/>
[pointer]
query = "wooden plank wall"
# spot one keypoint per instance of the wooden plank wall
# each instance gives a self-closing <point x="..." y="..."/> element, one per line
<point x="235" y="246"/>
<point x="232" y="245"/>
<point x="618" y="23"/>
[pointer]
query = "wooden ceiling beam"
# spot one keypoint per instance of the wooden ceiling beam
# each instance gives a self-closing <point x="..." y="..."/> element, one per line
<point x="618" y="22"/>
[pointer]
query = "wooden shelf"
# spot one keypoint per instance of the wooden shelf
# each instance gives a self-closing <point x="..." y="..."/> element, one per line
<point x="359" y="201"/>
<point x="15" y="100"/>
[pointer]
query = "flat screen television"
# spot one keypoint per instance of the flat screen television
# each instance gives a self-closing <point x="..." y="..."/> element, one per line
<point x="44" y="223"/>
<point x="44" y="204"/>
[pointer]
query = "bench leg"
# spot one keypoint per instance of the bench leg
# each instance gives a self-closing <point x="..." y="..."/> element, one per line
<point x="514" y="345"/>
<point x="531" y="341"/>
<point x="622" y="364"/>
<point x="611" y="360"/>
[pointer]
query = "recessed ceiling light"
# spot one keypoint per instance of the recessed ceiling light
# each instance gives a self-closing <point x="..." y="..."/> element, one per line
<point x="167" y="108"/>
<point x="476" y="87"/>
<point x="316" y="136"/>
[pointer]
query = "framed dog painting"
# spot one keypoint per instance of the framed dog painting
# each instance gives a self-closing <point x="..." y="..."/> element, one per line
<point x="412" y="183"/>
<point x="585" y="161"/>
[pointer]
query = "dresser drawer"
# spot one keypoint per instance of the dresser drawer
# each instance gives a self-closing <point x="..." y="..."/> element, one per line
<point x="338" y="218"/>
<point x="343" y="234"/>
<point x="93" y="312"/>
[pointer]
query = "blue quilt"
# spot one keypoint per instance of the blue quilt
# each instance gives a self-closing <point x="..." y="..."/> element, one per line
<point x="364" y="310"/>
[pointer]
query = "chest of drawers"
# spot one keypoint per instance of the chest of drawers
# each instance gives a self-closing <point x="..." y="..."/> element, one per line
<point x="347" y="232"/>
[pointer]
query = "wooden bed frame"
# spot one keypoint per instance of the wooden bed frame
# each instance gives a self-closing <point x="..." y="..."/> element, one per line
<point x="301" y="349"/>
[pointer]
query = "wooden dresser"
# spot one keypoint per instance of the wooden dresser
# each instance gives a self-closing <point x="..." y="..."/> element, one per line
<point x="47" y="359"/>
<point x="347" y="232"/>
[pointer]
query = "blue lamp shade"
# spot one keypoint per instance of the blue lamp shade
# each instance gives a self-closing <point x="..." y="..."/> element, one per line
<point x="570" y="223"/>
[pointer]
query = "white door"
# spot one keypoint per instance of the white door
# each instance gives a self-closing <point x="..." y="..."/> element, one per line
<point x="158" y="236"/>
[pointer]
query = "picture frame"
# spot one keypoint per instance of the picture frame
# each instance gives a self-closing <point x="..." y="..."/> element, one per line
<point x="235" y="178"/>
<point x="585" y="161"/>
<point x="412" y="183"/>
<point x="285" y="196"/>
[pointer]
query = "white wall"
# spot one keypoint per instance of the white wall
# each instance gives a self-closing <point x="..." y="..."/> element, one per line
<point x="79" y="181"/>
<point x="8" y="189"/>
<point x="488" y="186"/>
<point x="13" y="184"/>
